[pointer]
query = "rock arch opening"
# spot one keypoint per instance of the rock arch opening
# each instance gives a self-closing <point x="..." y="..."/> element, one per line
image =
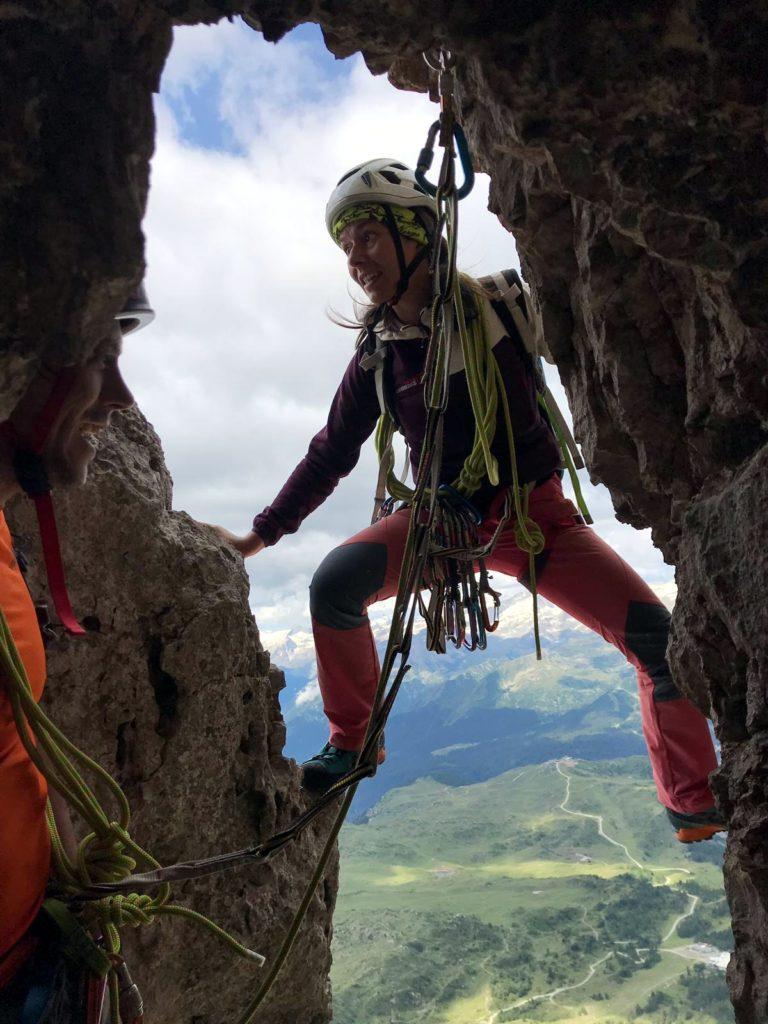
<point x="626" y="152"/>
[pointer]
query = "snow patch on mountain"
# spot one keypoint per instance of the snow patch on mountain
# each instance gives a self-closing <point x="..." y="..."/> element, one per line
<point x="294" y="649"/>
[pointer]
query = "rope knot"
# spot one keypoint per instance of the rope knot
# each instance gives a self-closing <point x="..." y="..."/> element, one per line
<point x="133" y="909"/>
<point x="103" y="858"/>
<point x="528" y="536"/>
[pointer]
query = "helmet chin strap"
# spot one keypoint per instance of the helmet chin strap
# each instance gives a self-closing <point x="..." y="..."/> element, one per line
<point x="406" y="273"/>
<point x="406" y="269"/>
<point x="31" y="473"/>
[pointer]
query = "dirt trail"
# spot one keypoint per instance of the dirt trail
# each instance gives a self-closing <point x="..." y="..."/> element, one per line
<point x="598" y="819"/>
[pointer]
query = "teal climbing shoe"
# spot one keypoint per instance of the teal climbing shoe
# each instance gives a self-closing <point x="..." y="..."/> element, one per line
<point x="331" y="764"/>
<point x="701" y="825"/>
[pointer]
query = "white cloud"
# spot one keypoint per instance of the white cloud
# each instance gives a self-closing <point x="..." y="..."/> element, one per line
<point x="240" y="366"/>
<point x="309" y="695"/>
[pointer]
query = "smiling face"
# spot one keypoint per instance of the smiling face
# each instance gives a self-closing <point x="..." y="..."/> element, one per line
<point x="372" y="258"/>
<point x="97" y="390"/>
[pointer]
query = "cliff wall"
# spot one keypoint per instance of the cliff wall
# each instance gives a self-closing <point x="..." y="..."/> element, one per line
<point x="171" y="691"/>
<point x="626" y="147"/>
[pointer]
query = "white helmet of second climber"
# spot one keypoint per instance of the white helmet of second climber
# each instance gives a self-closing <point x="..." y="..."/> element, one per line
<point x="382" y="181"/>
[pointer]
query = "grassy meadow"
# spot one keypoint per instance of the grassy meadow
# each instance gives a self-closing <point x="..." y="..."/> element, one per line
<point x="550" y="893"/>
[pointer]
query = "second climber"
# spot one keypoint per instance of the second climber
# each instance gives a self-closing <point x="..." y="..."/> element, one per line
<point x="385" y="225"/>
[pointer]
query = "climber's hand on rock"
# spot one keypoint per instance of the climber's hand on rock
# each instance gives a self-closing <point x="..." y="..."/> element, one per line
<point x="247" y="545"/>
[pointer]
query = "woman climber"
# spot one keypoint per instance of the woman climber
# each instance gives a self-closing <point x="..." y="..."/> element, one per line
<point x="385" y="224"/>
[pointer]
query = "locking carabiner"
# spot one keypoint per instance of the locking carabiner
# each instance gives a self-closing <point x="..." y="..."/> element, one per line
<point x="427" y="155"/>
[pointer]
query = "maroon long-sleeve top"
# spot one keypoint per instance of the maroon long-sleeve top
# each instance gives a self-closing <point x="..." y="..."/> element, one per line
<point x="335" y="450"/>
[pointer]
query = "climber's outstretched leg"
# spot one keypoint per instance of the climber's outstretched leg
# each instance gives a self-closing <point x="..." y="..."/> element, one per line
<point x="585" y="577"/>
<point x="354" y="575"/>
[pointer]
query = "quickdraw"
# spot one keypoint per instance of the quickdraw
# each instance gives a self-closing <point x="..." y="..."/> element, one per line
<point x="458" y="581"/>
<point x="443" y="63"/>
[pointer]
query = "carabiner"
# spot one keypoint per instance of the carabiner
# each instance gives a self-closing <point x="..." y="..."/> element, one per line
<point x="482" y="632"/>
<point x="461" y="625"/>
<point x="450" y="620"/>
<point x="435" y="629"/>
<point x="470" y="605"/>
<point x="466" y="162"/>
<point x="387" y="507"/>
<point x="485" y="588"/>
<point x="490" y="624"/>
<point x="426" y="156"/>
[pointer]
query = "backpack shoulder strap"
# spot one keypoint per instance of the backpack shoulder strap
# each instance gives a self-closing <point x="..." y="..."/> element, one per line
<point x="374" y="360"/>
<point x="511" y="300"/>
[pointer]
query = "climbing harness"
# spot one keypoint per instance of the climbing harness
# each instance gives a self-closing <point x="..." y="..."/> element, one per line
<point x="464" y="572"/>
<point x="457" y="577"/>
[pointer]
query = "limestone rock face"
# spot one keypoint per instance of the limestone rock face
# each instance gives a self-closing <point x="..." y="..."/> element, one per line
<point x="171" y="692"/>
<point x="78" y="132"/>
<point x="626" y="146"/>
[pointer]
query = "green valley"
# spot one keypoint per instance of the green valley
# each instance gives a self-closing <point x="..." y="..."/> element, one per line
<point x="553" y="893"/>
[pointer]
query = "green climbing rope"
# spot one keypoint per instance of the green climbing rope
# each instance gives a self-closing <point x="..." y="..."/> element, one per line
<point x="479" y="364"/>
<point x="567" y="458"/>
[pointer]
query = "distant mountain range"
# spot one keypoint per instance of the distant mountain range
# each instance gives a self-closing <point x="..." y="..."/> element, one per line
<point x="465" y="717"/>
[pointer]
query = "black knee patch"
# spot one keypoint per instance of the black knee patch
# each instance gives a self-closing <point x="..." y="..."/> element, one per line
<point x="646" y="634"/>
<point x="344" y="581"/>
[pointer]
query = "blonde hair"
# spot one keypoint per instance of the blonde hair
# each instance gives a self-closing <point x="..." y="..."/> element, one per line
<point x="363" y="311"/>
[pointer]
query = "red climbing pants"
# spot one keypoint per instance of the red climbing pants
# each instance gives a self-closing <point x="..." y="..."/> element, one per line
<point x="576" y="571"/>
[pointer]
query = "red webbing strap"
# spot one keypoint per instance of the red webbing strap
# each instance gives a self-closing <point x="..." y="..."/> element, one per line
<point x="54" y="566"/>
<point x="49" y="535"/>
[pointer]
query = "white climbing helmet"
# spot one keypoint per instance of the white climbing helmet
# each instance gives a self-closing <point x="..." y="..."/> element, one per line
<point x="136" y="313"/>
<point x="379" y="181"/>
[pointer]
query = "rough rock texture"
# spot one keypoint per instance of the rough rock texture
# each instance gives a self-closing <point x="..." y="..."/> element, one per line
<point x="626" y="145"/>
<point x="77" y="135"/>
<point x="172" y="693"/>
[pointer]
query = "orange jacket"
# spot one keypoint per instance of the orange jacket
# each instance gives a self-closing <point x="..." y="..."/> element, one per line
<point x="25" y="853"/>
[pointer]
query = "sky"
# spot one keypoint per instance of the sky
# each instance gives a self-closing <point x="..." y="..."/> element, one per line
<point x="238" y="370"/>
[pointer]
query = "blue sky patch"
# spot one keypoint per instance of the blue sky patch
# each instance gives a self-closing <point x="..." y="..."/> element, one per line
<point x="198" y="83"/>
